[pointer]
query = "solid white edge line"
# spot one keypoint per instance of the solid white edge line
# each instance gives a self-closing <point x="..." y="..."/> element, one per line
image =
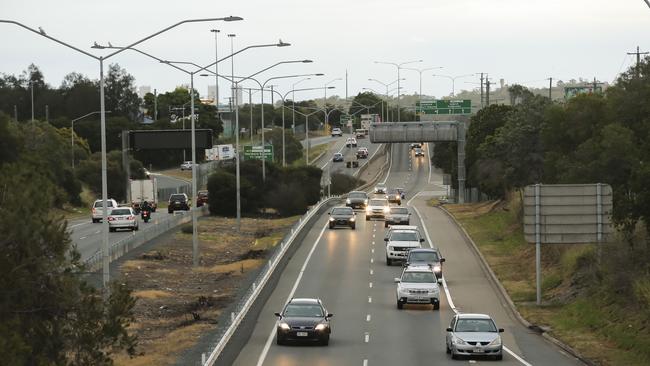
<point x="429" y="162"/>
<point x="330" y="160"/>
<point x="269" y="340"/>
<point x="444" y="283"/>
<point x="365" y="362"/>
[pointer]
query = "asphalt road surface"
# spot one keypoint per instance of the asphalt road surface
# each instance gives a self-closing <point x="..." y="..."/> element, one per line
<point x="347" y="270"/>
<point x="349" y="153"/>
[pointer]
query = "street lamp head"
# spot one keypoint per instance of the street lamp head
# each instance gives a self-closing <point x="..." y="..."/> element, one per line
<point x="205" y="75"/>
<point x="215" y="30"/>
<point x="331" y="87"/>
<point x="283" y="44"/>
<point x="232" y="19"/>
<point x="307" y="61"/>
<point x="319" y="74"/>
<point x="231" y="35"/>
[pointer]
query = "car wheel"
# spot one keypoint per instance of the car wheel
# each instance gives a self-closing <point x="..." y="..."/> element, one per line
<point x="408" y="223"/>
<point x="436" y="306"/>
<point x="137" y="227"/>
<point x="499" y="357"/>
<point x="325" y="341"/>
<point x="279" y="341"/>
<point x="389" y="261"/>
<point x="385" y="224"/>
<point x="111" y="229"/>
<point x="353" y="227"/>
<point x="95" y="221"/>
<point x="448" y="350"/>
<point x="400" y="306"/>
<point x="367" y="218"/>
<point x="454" y="356"/>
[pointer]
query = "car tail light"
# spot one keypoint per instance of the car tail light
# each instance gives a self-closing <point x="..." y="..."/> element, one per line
<point x="110" y="218"/>
<point x="131" y="218"/>
<point x="94" y="211"/>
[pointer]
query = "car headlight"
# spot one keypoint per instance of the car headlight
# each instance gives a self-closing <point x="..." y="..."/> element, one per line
<point x="495" y="342"/>
<point x="386" y="209"/>
<point x="456" y="340"/>
<point x="321" y="327"/>
<point x="332" y="219"/>
<point x="352" y="219"/>
<point x="348" y="201"/>
<point x="437" y="268"/>
<point x="390" y="248"/>
<point x="284" y="326"/>
<point x="365" y="202"/>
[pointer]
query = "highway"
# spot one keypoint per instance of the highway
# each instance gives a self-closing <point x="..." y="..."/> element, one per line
<point x="347" y="270"/>
<point x="326" y="163"/>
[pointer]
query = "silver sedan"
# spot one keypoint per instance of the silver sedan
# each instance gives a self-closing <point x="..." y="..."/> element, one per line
<point x="122" y="218"/>
<point x="474" y="335"/>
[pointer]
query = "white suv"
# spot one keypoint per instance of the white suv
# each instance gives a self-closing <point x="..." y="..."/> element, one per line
<point x="418" y="285"/>
<point x="377" y="207"/>
<point x="337" y="132"/>
<point x="351" y="142"/>
<point x="98" y="209"/>
<point x="399" y="240"/>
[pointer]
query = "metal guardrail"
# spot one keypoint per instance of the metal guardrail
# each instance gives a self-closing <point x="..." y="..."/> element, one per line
<point x="227" y="329"/>
<point x="147" y="232"/>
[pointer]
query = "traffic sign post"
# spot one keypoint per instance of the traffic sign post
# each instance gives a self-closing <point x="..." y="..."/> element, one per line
<point x="258" y="153"/>
<point x="444" y="107"/>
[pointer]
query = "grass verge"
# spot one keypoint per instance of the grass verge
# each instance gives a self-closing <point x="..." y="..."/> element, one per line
<point x="576" y="309"/>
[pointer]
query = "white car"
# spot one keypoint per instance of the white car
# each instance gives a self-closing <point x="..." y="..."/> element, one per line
<point x="98" y="209"/>
<point x="474" y="335"/>
<point x="381" y="188"/>
<point x="187" y="165"/>
<point x="337" y="132"/>
<point x="377" y="207"/>
<point x="399" y="240"/>
<point x="417" y="285"/>
<point x="122" y="218"/>
<point x="351" y="142"/>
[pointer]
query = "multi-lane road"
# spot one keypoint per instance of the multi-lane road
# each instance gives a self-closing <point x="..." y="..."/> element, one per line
<point x="347" y="270"/>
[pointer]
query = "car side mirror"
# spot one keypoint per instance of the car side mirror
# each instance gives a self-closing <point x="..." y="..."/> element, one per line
<point x="442" y="260"/>
<point x="421" y="240"/>
<point x="385" y="239"/>
<point x="278" y="315"/>
<point x="501" y="330"/>
<point x="329" y="315"/>
<point x="397" y="280"/>
<point x="449" y="330"/>
<point x="409" y="214"/>
<point x="406" y="264"/>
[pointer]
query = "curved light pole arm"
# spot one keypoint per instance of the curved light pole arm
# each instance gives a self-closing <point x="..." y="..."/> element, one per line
<point x="43" y="34"/>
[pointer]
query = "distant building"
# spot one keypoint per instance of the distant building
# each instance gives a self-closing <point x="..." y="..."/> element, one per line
<point x="143" y="90"/>
<point x="212" y="92"/>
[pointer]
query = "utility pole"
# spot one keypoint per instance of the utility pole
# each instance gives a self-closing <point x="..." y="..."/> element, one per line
<point x="346" y="84"/>
<point x="595" y="85"/>
<point x="638" y="58"/>
<point x="155" y="105"/>
<point x="487" y="90"/>
<point x="47" y="113"/>
<point x="550" y="88"/>
<point x="482" y="96"/>
<point x="15" y="113"/>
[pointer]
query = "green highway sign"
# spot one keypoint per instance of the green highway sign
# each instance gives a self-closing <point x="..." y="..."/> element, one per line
<point x="444" y="106"/>
<point x="257" y="152"/>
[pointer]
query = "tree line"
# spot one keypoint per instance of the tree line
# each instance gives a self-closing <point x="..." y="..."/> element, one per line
<point x="599" y="138"/>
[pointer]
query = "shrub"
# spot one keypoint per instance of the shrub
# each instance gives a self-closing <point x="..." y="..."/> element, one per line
<point x="222" y="188"/>
<point x="343" y="183"/>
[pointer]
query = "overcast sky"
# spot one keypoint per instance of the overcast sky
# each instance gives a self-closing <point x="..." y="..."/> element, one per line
<point x="521" y="41"/>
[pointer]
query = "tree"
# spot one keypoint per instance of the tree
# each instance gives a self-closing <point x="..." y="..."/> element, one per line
<point x="119" y="91"/>
<point x="366" y="103"/>
<point x="293" y="149"/>
<point x="48" y="314"/>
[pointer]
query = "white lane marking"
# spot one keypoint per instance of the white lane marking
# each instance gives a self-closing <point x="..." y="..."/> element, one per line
<point x="373" y="235"/>
<point x="372" y="260"/>
<point x="366" y="337"/>
<point x="429" y="154"/>
<point x="369" y="299"/>
<point x="83" y="237"/>
<point x="372" y="250"/>
<point x="365" y="362"/>
<point x="373" y="243"/>
<point x="444" y="283"/>
<point x="371" y="272"/>
<point x="368" y="317"/>
<point x="370" y="284"/>
<point x="338" y="152"/>
<point x="79" y="224"/>
<point x="390" y="166"/>
<point x="269" y="340"/>
<point x="98" y="231"/>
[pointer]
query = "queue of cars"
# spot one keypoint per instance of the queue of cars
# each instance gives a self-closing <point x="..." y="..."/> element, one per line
<point x="306" y="319"/>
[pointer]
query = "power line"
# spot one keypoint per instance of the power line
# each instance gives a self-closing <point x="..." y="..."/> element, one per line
<point x="638" y="56"/>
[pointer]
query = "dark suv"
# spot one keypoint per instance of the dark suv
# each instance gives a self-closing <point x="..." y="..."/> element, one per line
<point x="357" y="199"/>
<point x="178" y="202"/>
<point x="426" y="256"/>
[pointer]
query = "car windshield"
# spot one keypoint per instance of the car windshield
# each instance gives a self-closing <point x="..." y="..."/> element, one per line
<point x="377" y="203"/>
<point x="418" y="277"/>
<point x="121" y="211"/>
<point x="381" y="185"/>
<point x="303" y="310"/>
<point x="475" y="325"/>
<point x="177" y="197"/>
<point x="399" y="210"/>
<point x="342" y="211"/>
<point x="357" y="195"/>
<point x="424" y="257"/>
<point x="337" y="155"/>
<point x="100" y="205"/>
<point x="404" y="236"/>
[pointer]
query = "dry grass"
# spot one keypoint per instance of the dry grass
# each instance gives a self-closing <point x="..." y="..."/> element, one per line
<point x="234" y="268"/>
<point x="151" y="294"/>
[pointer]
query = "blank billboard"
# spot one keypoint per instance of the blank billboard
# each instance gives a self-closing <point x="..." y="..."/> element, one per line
<point x="169" y="139"/>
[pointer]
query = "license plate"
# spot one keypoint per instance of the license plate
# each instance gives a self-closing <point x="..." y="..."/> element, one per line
<point x="478" y="350"/>
<point x="302" y="334"/>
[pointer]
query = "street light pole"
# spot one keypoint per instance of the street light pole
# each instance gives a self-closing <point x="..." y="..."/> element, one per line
<point x="453" y="81"/>
<point x="386" y="85"/>
<point x="325" y="99"/>
<point x="420" y="71"/>
<point x="293" y="104"/>
<point x="216" y="67"/>
<point x="398" y="66"/>
<point x="236" y="103"/>
<point x="31" y="87"/>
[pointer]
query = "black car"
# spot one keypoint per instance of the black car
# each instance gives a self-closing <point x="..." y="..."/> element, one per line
<point x="418" y="152"/>
<point x="342" y="216"/>
<point x="337" y="157"/>
<point x="394" y="196"/>
<point x="178" y="202"/>
<point x="357" y="200"/>
<point x="426" y="256"/>
<point x="304" y="320"/>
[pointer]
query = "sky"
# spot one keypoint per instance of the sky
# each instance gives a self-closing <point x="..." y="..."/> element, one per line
<point x="520" y="41"/>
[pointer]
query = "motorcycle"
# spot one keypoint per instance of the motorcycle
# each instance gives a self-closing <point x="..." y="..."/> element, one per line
<point x="146" y="215"/>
